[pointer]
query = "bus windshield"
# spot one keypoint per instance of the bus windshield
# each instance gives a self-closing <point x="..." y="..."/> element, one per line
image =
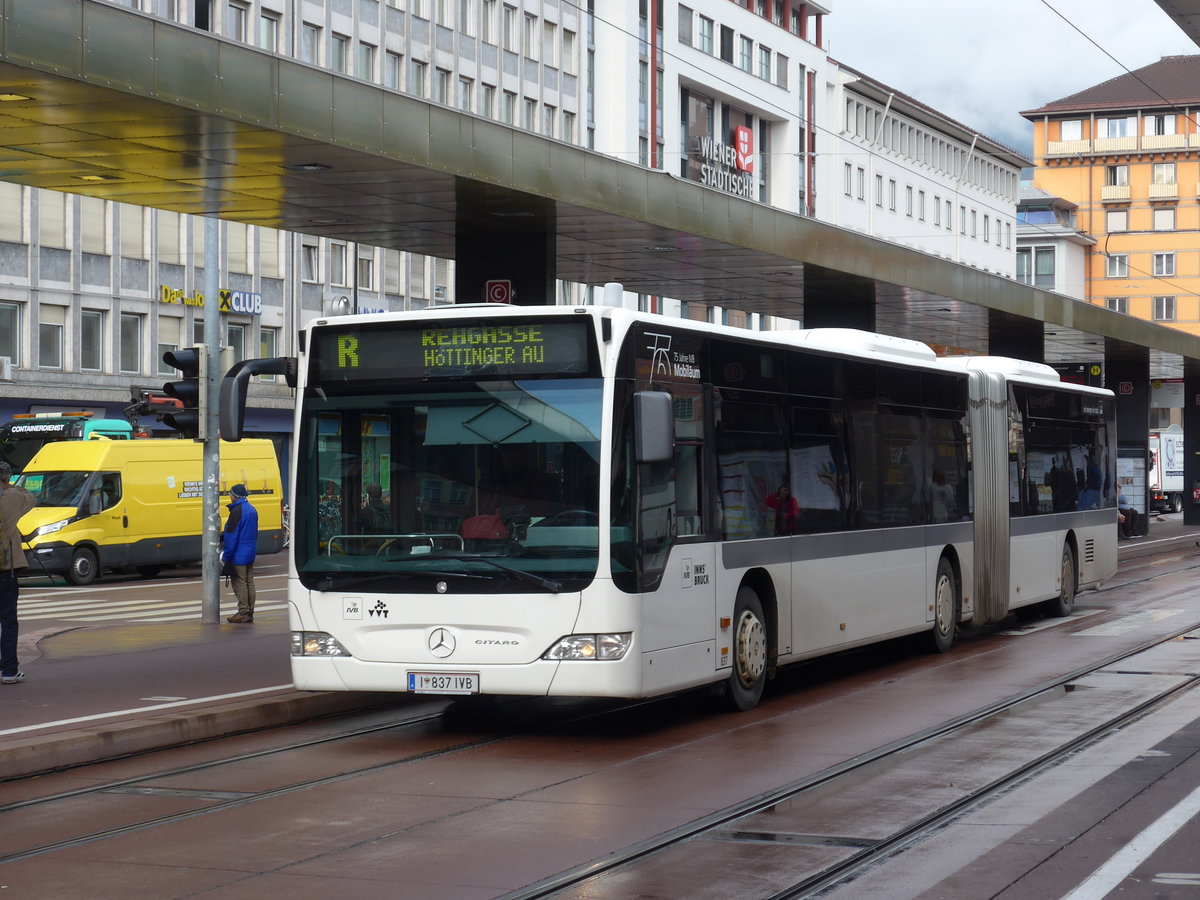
<point x="487" y="486"/>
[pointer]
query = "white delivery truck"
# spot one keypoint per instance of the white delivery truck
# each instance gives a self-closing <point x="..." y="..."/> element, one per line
<point x="1166" y="469"/>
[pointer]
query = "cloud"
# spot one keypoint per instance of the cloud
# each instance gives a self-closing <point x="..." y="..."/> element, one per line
<point x="983" y="64"/>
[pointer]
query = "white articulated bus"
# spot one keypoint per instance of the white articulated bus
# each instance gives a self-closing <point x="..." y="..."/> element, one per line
<point x="586" y="501"/>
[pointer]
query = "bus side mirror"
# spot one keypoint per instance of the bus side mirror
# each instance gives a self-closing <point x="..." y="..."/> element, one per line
<point x="653" y="426"/>
<point x="232" y="396"/>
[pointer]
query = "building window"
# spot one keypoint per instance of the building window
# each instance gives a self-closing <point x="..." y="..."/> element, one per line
<point x="1164" y="264"/>
<point x="879" y="191"/>
<point x="908" y="200"/>
<point x="441" y="86"/>
<point x="568" y="52"/>
<point x="465" y="97"/>
<point x="860" y="183"/>
<point x="848" y="171"/>
<point x="550" y="44"/>
<point x="528" y="113"/>
<point x="937" y="211"/>
<point x="169" y="329"/>
<point x="487" y="100"/>
<point x="1118" y="304"/>
<point x="236" y="27"/>
<point x="1164" y="309"/>
<point x="1126" y="126"/>
<point x="508" y="109"/>
<point x="51" y="321"/>
<point x="1035" y="266"/>
<point x="341" y="53"/>
<point x="510" y="28"/>
<point x="131" y="343"/>
<point x="133" y="231"/>
<point x="1118" y="265"/>
<point x="9" y="335"/>
<point x="921" y="205"/>
<point x="705" y="44"/>
<point x="366" y="62"/>
<point x="310" y="269"/>
<point x="949" y="220"/>
<point x="268" y="348"/>
<point x="1164" y="173"/>
<point x="568" y="127"/>
<point x="466" y="17"/>
<point x="235" y="339"/>
<point x="366" y="272"/>
<point x="727" y="44"/>
<point x="745" y="53"/>
<point x="337" y="264"/>
<point x="781" y="70"/>
<point x="12" y="212"/>
<point x="764" y="63"/>
<point x="1116" y="220"/>
<point x="310" y="44"/>
<point x="416" y="78"/>
<point x="1164" y="219"/>
<point x="1071" y="130"/>
<point x="1160" y="124"/>
<point x="268" y="33"/>
<point x="531" y="37"/>
<point x="1116" y="176"/>
<point x="91" y="340"/>
<point x="52" y="218"/>
<point x="393" y="65"/>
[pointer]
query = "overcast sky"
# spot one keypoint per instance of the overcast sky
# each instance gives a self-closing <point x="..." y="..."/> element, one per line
<point x="983" y="63"/>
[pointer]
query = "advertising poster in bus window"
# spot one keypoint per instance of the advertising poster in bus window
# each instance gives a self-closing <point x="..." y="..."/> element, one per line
<point x="747" y="478"/>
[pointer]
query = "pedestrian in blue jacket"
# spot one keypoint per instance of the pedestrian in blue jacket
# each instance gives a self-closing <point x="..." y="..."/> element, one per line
<point x="240" y="544"/>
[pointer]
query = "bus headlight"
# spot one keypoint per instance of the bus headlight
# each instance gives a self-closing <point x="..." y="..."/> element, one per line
<point x="316" y="643"/>
<point x="591" y="646"/>
<point x="51" y="528"/>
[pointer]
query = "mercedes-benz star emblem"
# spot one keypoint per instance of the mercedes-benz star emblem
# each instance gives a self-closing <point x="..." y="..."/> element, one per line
<point x="441" y="643"/>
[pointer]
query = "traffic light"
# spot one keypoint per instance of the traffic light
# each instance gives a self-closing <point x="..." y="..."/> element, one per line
<point x="190" y="391"/>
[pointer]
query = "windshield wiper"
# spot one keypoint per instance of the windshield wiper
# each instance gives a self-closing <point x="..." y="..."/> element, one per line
<point x="547" y="583"/>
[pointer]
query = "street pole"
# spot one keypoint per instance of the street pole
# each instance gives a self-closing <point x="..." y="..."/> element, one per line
<point x="210" y="602"/>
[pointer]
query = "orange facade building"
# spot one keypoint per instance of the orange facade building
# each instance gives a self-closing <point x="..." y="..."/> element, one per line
<point x="1127" y="151"/>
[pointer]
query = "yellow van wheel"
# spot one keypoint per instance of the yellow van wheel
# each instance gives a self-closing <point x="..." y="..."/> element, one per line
<point x="85" y="567"/>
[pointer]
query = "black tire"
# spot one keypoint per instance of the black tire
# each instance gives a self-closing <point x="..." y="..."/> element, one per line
<point x="1064" y="603"/>
<point x="1177" y="503"/>
<point x="946" y="605"/>
<point x="149" y="571"/>
<point x="85" y="567"/>
<point x="750" y="654"/>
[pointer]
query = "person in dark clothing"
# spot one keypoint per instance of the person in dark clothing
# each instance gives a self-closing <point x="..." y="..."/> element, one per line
<point x="1127" y="516"/>
<point x="14" y="503"/>
<point x="240" y="546"/>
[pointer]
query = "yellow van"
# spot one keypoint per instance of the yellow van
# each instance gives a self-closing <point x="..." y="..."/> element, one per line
<point x="136" y="505"/>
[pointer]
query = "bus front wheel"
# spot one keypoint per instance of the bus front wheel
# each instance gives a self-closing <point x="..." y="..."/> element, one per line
<point x="749" y="675"/>
<point x="945" y="608"/>
<point x="84" y="567"/>
<point x="1064" y="603"/>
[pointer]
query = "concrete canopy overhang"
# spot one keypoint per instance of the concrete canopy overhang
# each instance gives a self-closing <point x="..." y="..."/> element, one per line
<point x="135" y="109"/>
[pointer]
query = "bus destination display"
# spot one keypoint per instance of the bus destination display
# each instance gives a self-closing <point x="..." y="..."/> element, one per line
<point x="437" y="350"/>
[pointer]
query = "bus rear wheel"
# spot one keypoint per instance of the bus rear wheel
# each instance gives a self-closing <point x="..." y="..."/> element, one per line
<point x="945" y="608"/>
<point x="84" y="567"/>
<point x="745" y="685"/>
<point x="1064" y="603"/>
